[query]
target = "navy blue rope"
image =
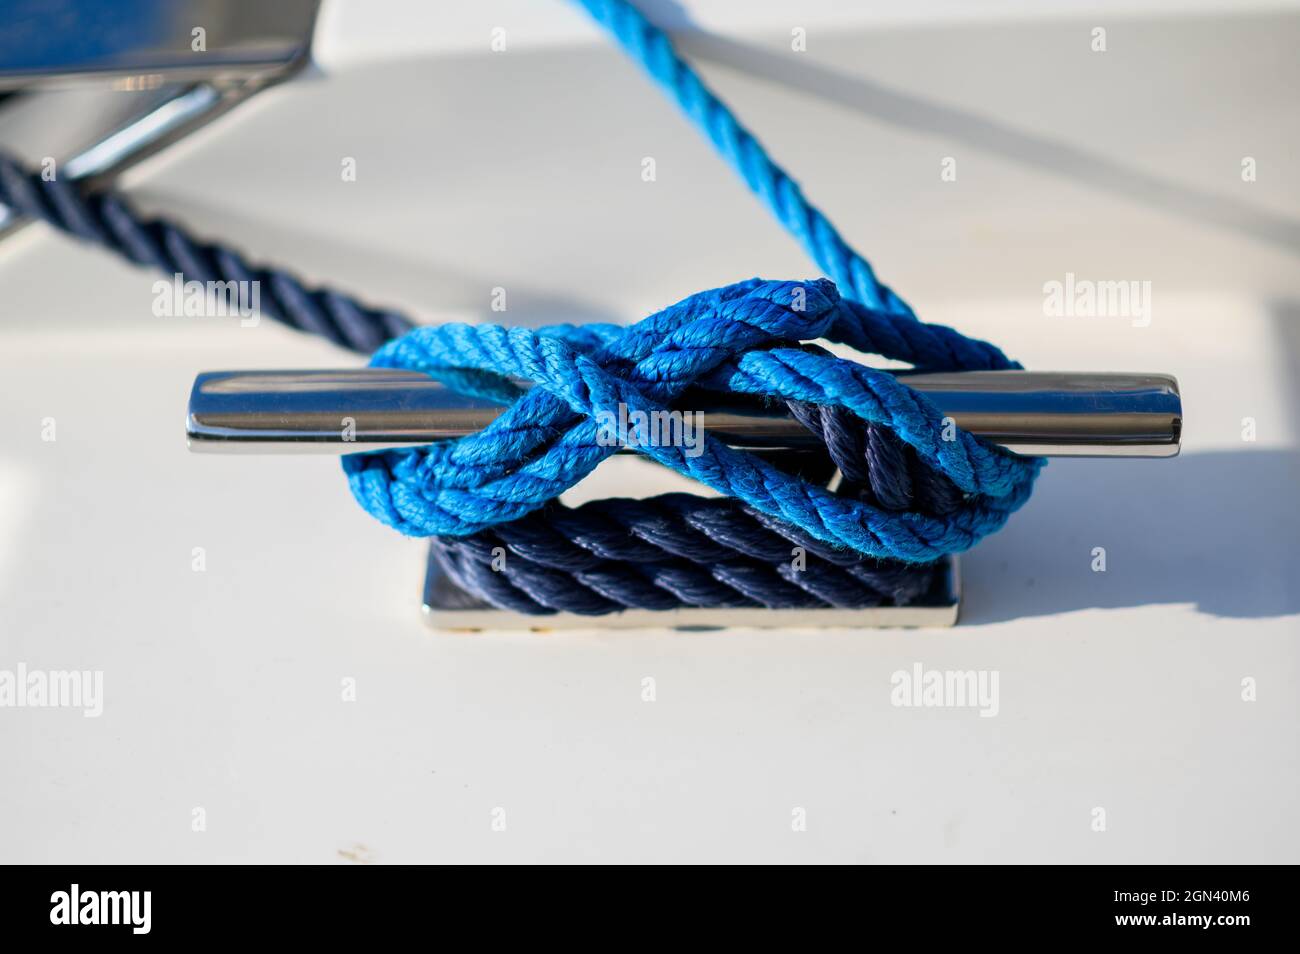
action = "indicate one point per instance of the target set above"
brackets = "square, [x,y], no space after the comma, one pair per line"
[105,219]
[666,552]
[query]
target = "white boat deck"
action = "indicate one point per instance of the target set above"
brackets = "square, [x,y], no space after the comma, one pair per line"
[1122,690]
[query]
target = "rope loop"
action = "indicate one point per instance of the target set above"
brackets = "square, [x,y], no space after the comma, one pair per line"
[592,395]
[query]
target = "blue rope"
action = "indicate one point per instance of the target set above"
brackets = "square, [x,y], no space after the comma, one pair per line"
[734,340]
[898,334]
[908,495]
[729,340]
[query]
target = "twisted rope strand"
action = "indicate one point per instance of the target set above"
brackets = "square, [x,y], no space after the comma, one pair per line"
[104,219]
[898,333]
